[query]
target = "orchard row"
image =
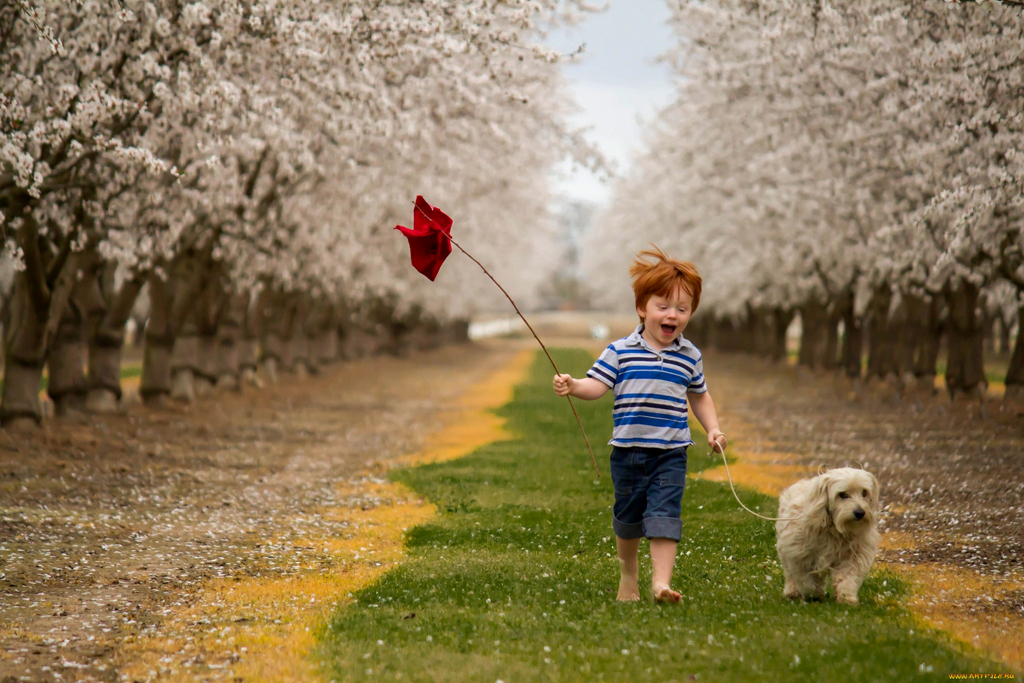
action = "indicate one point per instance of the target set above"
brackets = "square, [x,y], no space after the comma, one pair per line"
[860,165]
[240,164]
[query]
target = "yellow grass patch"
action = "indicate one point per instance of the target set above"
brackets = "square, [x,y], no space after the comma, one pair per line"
[766,472]
[263,628]
[758,465]
[973,608]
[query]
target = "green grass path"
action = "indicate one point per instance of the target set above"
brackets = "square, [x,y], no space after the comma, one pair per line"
[516,578]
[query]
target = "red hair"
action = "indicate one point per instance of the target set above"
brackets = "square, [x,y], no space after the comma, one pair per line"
[662,277]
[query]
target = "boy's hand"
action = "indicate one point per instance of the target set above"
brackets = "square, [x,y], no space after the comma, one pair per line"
[717,441]
[563,384]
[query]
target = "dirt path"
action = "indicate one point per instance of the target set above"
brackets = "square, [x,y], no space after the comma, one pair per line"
[952,484]
[113,528]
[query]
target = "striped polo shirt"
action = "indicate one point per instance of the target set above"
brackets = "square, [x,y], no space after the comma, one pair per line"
[650,390]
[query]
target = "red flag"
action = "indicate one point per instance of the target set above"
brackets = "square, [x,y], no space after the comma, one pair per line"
[429,239]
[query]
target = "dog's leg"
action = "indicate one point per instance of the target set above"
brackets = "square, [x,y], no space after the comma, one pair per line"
[802,582]
[812,586]
[847,584]
[790,590]
[849,575]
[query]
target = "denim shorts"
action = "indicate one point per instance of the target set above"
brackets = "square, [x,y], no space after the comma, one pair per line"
[649,485]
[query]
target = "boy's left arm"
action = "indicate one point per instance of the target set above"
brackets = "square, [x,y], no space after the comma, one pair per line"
[703,409]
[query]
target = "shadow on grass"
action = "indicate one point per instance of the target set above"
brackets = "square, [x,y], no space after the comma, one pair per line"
[516,581]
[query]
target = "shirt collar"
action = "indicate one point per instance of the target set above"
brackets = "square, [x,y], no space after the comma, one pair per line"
[637,339]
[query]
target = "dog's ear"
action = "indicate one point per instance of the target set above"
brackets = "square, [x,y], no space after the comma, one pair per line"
[874,492]
[817,513]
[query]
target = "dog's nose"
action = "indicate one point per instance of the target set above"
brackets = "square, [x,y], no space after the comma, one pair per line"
[858,513]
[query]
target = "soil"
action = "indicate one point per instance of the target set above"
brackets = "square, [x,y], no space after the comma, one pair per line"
[110,523]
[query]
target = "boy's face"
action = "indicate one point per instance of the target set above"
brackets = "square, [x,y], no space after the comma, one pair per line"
[665,318]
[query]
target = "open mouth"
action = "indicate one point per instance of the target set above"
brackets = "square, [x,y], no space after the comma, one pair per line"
[668,330]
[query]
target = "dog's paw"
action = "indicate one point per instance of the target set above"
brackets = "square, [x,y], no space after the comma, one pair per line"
[791,592]
[847,599]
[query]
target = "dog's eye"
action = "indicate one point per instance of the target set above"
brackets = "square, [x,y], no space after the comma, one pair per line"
[844,495]
[865,494]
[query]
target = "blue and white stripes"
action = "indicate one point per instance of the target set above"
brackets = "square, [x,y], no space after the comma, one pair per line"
[650,390]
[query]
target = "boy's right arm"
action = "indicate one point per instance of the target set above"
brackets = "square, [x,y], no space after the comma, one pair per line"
[588,388]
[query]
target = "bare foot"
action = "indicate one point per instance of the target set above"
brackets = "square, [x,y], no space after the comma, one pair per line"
[666,594]
[629,589]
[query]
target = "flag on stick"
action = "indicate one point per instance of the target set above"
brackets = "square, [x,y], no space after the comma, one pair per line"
[430,243]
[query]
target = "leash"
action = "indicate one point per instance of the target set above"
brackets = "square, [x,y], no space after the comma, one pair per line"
[721,449]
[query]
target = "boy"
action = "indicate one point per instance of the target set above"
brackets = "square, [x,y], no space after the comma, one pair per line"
[653,372]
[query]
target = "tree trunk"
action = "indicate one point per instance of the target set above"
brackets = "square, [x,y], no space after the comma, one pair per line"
[65,360]
[324,346]
[229,342]
[927,357]
[107,337]
[206,313]
[812,334]
[252,325]
[965,370]
[830,342]
[155,387]
[989,330]
[913,323]
[277,330]
[853,337]
[1015,373]
[881,342]
[37,308]
[184,361]
[1004,335]
[327,343]
[456,331]
[193,323]
[302,336]
[24,354]
[779,325]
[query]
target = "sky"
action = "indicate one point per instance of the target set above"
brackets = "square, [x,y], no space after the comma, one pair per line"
[617,84]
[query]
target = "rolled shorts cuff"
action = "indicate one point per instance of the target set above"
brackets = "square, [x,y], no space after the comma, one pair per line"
[663,527]
[627,530]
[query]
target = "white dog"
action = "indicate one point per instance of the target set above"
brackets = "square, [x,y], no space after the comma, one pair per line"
[830,528]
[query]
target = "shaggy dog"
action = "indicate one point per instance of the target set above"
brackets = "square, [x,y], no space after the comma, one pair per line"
[828,526]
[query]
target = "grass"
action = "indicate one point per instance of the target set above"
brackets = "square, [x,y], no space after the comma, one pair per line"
[516,578]
[127,372]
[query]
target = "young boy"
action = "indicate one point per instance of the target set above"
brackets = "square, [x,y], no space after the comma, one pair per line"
[654,373]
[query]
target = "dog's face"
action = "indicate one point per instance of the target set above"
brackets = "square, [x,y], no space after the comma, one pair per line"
[851,497]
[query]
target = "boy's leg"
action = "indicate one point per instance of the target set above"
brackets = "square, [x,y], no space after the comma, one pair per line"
[629,566]
[661,520]
[627,516]
[663,559]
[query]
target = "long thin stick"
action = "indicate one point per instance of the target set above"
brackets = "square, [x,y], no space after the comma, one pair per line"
[550,359]
[534,333]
